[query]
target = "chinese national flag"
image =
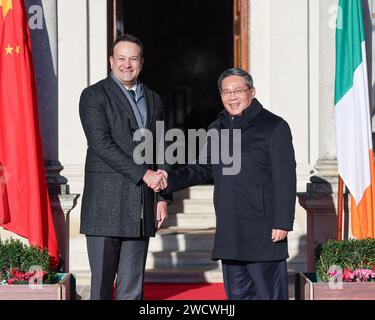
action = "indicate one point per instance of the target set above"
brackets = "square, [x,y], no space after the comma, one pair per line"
[24,201]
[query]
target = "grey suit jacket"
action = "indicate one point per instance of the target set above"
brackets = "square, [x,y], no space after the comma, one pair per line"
[115,198]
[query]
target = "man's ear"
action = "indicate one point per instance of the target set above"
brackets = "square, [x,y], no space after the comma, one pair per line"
[254,92]
[142,62]
[111,61]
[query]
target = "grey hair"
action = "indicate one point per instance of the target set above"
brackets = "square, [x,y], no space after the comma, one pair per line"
[236,72]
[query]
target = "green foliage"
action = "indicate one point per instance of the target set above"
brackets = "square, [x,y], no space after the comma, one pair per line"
[16,255]
[348,254]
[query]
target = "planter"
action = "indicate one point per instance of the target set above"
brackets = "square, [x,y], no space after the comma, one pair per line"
[308,288]
[64,289]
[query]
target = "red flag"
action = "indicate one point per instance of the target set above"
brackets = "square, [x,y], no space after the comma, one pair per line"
[24,202]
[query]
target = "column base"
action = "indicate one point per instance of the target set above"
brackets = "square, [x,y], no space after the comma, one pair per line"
[62,203]
[320,202]
[325,180]
[321,212]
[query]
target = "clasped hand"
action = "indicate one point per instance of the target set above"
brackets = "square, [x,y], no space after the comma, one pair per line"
[156,180]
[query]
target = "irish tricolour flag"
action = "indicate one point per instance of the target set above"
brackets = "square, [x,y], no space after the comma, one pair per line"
[352,110]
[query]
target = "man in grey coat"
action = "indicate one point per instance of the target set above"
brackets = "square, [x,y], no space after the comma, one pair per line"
[118,215]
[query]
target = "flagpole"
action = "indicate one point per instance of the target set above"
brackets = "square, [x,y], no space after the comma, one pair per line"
[340,197]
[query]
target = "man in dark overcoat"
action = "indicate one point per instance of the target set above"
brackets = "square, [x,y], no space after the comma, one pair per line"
[255,206]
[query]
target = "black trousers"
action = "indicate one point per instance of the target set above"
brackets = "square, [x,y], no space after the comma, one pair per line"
[120,258]
[255,280]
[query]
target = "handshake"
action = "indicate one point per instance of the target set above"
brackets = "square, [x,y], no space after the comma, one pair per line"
[156,180]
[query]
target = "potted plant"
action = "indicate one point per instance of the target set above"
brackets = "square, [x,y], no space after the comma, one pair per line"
[26,274]
[345,270]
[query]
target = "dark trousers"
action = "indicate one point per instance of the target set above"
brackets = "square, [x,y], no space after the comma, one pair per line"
[124,257]
[255,280]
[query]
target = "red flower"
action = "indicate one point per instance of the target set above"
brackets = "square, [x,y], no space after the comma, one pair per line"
[17,276]
[348,275]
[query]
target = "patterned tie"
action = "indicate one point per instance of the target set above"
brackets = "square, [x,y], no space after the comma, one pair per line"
[132,93]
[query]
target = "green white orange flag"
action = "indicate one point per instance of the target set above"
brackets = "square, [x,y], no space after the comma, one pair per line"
[352,111]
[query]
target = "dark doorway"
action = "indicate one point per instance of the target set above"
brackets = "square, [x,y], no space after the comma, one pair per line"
[188,44]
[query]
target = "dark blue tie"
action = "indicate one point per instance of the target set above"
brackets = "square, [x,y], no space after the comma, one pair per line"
[132,93]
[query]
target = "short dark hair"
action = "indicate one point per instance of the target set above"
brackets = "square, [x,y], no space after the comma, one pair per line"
[236,72]
[127,38]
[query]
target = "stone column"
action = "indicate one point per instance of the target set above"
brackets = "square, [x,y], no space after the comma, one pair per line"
[326,166]
[320,200]
[43,28]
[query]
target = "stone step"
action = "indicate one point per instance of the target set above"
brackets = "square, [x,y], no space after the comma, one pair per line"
[180,259]
[168,249]
[178,239]
[83,276]
[162,268]
[197,192]
[191,275]
[205,220]
[171,276]
[196,206]
[79,261]
[78,254]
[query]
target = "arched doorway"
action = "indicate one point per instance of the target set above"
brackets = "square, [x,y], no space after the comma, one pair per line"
[188,44]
